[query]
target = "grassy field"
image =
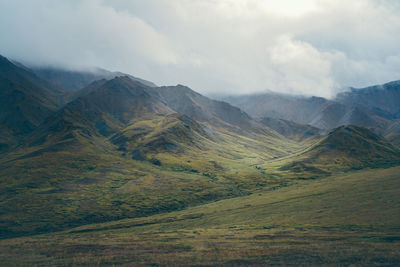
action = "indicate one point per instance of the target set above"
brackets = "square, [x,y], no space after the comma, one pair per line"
[340,220]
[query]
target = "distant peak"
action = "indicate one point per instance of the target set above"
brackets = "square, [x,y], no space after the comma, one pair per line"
[348,128]
[123,80]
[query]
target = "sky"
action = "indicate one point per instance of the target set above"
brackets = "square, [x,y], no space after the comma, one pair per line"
[310,47]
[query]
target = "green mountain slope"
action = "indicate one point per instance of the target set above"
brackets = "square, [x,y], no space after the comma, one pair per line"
[345,148]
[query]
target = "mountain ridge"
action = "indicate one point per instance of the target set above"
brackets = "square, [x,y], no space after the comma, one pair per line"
[72,80]
[374,107]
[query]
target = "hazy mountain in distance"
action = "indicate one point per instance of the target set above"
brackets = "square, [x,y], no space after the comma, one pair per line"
[375,107]
[298,109]
[385,98]
[74,80]
[292,130]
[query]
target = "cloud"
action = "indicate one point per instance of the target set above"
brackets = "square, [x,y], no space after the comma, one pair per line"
[312,47]
[80,33]
[300,68]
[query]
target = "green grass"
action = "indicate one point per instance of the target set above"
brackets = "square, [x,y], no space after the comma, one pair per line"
[340,220]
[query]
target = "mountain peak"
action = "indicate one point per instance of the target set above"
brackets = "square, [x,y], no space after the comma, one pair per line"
[345,148]
[358,144]
[123,82]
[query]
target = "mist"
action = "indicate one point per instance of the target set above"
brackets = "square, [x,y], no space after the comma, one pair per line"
[215,47]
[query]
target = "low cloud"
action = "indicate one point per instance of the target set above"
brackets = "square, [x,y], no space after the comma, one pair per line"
[216,47]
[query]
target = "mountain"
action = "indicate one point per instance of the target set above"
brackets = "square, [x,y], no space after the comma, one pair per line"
[384,98]
[73,80]
[118,105]
[182,169]
[218,113]
[119,149]
[333,114]
[374,107]
[346,147]
[292,130]
[316,111]
[103,110]
[280,106]
[25,101]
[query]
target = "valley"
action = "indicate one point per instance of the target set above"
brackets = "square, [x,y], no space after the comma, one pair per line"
[103,168]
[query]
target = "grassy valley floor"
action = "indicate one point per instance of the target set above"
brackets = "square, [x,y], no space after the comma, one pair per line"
[345,219]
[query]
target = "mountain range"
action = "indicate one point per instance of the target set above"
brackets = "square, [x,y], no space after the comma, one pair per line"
[83,147]
[376,108]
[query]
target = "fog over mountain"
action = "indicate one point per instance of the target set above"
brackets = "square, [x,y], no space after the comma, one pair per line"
[312,47]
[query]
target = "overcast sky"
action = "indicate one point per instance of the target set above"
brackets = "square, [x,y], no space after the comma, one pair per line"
[312,47]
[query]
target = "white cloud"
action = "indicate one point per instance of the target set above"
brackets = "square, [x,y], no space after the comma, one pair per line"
[300,68]
[215,46]
[81,33]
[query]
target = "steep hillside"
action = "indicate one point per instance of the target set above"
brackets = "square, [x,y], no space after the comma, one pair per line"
[292,130]
[25,101]
[392,132]
[384,98]
[345,148]
[333,114]
[89,120]
[166,133]
[186,101]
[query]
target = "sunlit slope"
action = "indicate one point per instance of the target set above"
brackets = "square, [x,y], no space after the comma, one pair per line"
[346,219]
[345,148]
